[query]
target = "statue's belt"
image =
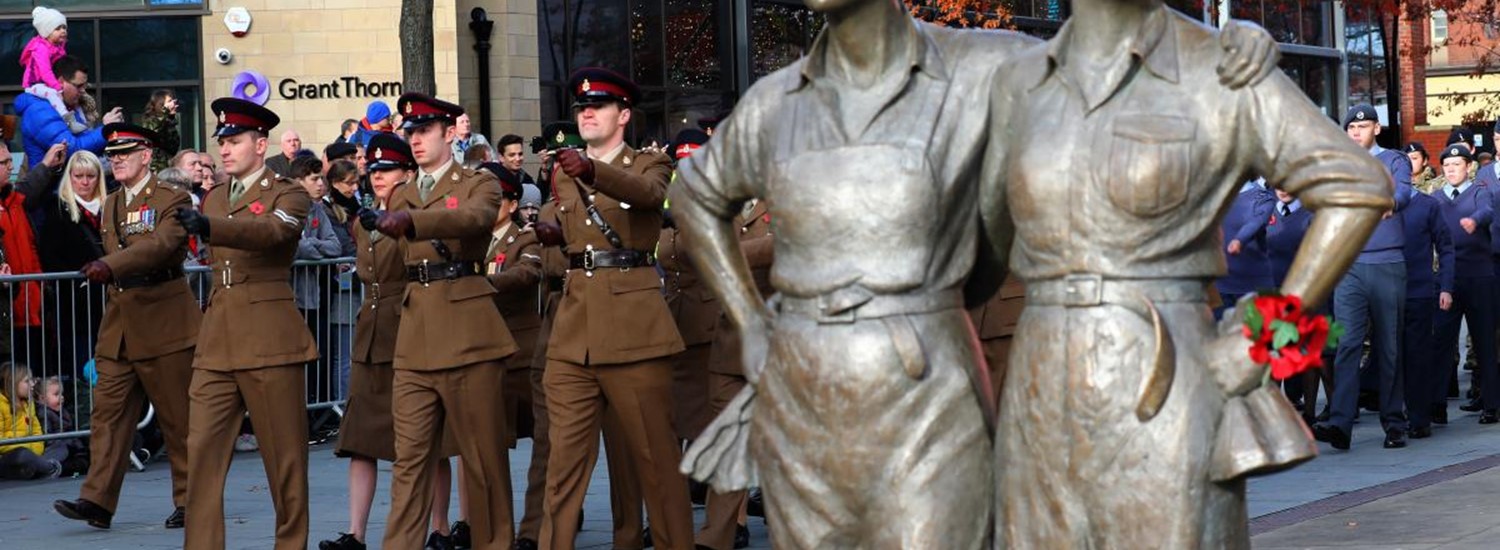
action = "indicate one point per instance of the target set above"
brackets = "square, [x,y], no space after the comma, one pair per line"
[855,302]
[1138,296]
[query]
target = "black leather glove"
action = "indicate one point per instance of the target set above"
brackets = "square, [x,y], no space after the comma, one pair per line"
[576,165]
[194,222]
[97,271]
[368,219]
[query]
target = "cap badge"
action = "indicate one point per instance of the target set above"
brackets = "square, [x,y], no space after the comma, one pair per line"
[560,137]
[114,136]
[378,153]
[1359,115]
[408,108]
[221,118]
[585,87]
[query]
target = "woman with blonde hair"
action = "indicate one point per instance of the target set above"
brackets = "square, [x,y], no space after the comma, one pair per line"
[68,204]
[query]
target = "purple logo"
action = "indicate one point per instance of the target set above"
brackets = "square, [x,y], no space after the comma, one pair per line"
[251,86]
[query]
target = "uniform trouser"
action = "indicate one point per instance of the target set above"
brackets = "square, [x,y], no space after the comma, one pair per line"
[1368,302]
[1419,365]
[624,486]
[1474,302]
[122,391]
[996,354]
[722,514]
[536,475]
[423,402]
[640,395]
[691,390]
[219,400]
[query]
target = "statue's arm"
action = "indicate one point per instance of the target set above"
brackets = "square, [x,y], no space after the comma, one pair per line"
[997,226]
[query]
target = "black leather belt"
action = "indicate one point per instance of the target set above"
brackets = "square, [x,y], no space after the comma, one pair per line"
[594,259]
[425,272]
[149,279]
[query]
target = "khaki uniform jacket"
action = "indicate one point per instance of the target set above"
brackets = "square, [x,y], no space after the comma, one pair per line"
[517,281]
[693,305]
[757,244]
[160,319]
[614,315]
[251,320]
[997,318]
[380,263]
[450,323]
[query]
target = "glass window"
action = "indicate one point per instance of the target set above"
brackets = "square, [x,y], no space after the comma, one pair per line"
[1314,75]
[779,34]
[139,52]
[15,34]
[600,35]
[646,43]
[551,32]
[648,120]
[134,100]
[1439,27]
[692,32]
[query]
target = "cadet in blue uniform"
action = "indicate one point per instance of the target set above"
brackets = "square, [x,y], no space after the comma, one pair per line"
[1427,293]
[1368,302]
[1284,232]
[1490,175]
[1467,209]
[1245,230]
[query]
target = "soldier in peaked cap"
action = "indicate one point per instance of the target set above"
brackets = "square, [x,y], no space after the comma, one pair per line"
[452,342]
[253,342]
[145,346]
[614,336]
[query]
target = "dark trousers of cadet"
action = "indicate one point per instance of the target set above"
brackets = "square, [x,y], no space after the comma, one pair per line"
[119,397]
[721,516]
[1419,365]
[424,403]
[640,394]
[219,400]
[1368,302]
[1473,301]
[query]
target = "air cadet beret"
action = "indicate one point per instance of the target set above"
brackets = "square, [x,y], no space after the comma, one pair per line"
[510,182]
[1454,150]
[237,116]
[562,134]
[1361,112]
[419,109]
[1461,134]
[531,196]
[687,141]
[595,85]
[388,152]
[1415,147]
[121,137]
[335,151]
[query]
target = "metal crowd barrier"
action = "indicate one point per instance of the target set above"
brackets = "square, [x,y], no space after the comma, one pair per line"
[53,321]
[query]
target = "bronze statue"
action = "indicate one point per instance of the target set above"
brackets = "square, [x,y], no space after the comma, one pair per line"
[1127,419]
[866,422]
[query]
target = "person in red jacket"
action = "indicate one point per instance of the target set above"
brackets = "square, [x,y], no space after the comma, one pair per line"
[18,257]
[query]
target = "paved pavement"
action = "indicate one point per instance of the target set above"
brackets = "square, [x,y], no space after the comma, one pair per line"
[1437,493]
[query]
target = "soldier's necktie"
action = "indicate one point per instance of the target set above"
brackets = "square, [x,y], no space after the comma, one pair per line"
[425,186]
[1281,210]
[1453,194]
[236,188]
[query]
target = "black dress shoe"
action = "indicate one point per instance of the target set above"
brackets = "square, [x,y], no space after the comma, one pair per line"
[741,537]
[525,544]
[84,510]
[698,492]
[1332,435]
[646,541]
[1395,439]
[1489,417]
[346,541]
[755,504]
[437,541]
[459,533]
[1472,406]
[1420,433]
[1325,415]
[177,519]
[1440,414]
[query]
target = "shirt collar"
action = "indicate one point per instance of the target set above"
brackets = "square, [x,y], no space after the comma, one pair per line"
[921,54]
[251,178]
[1293,206]
[440,171]
[133,190]
[1257,183]
[609,156]
[1376,150]
[1155,45]
[1448,187]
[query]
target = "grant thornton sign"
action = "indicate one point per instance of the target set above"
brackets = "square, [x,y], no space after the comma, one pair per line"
[344,87]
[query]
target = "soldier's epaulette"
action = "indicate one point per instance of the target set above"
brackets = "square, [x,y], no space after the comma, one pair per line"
[653,153]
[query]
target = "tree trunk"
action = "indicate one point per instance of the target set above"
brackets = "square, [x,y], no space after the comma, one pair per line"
[417,73]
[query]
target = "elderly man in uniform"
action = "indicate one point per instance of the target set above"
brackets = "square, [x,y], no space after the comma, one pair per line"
[452,342]
[613,337]
[253,342]
[145,348]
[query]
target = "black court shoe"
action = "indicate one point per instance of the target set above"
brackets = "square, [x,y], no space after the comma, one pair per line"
[1332,435]
[1489,417]
[177,519]
[346,541]
[459,534]
[84,510]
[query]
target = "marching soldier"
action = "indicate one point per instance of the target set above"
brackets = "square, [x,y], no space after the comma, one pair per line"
[253,342]
[145,348]
[613,336]
[696,311]
[724,520]
[451,342]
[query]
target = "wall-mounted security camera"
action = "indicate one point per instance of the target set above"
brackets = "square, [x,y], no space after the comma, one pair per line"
[223,56]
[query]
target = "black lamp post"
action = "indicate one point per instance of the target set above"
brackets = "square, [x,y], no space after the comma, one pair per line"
[482,28]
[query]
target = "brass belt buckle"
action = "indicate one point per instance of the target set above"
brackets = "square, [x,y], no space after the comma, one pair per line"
[588,260]
[422,274]
[1083,290]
